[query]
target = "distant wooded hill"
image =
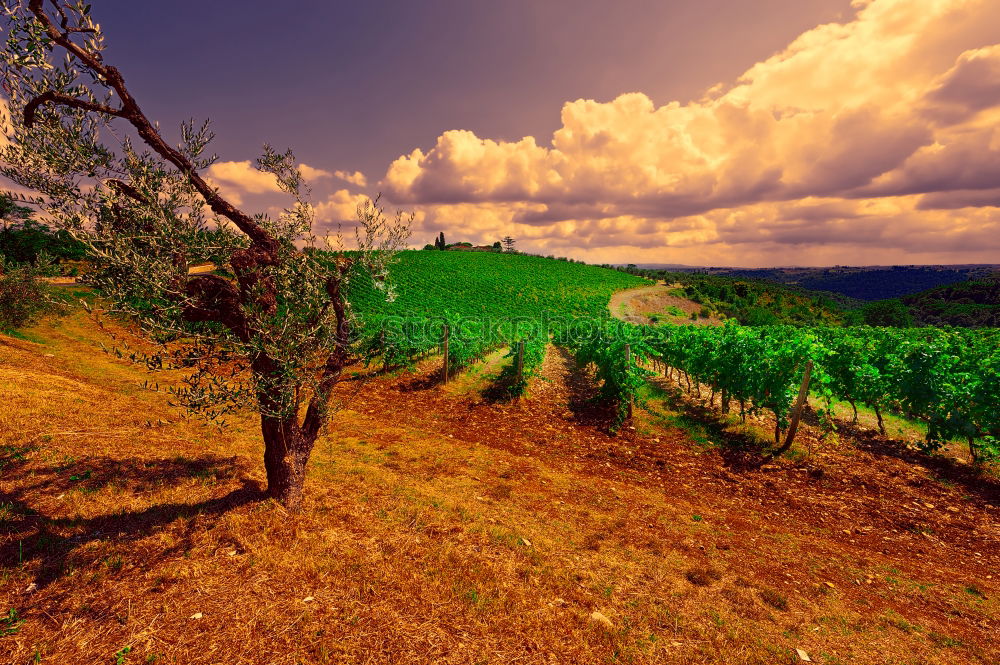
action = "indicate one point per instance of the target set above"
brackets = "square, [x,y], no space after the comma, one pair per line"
[863,283]
[971,304]
[963,296]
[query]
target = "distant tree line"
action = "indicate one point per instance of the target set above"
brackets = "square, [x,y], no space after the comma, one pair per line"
[507,244]
[28,248]
[25,241]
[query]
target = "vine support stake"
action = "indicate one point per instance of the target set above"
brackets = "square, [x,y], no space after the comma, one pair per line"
[444,347]
[800,404]
[628,364]
[520,362]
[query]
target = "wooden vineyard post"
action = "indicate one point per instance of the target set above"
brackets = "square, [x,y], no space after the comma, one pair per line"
[444,346]
[800,404]
[628,363]
[520,362]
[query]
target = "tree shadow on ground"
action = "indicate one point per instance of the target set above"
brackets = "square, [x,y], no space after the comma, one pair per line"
[433,378]
[364,372]
[739,451]
[500,391]
[946,469]
[585,402]
[426,381]
[27,534]
[503,388]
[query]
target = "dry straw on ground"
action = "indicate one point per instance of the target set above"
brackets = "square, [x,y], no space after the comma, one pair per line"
[438,528]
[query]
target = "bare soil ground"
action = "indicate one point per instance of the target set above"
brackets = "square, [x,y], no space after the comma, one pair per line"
[638,305]
[439,527]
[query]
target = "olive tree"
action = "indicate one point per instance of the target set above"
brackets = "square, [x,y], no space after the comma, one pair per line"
[104,171]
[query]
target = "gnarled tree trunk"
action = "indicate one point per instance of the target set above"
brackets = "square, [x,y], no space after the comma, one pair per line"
[286,454]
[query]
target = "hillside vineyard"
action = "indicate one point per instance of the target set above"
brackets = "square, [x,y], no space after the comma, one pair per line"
[946,378]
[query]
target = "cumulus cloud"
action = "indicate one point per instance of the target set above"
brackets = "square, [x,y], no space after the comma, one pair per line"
[828,144]
[339,208]
[312,173]
[244,176]
[234,179]
[967,160]
[767,232]
[357,178]
[972,85]
[961,198]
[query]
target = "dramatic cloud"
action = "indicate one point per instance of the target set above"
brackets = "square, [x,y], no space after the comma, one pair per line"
[961,198]
[972,85]
[826,148]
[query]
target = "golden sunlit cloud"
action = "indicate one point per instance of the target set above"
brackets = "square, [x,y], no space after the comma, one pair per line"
[341,207]
[237,178]
[357,178]
[340,210]
[234,179]
[875,138]
[312,173]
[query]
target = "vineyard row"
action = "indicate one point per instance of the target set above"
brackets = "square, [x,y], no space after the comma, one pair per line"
[947,378]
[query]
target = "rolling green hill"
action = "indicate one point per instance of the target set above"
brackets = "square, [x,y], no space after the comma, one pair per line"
[132,533]
[430,284]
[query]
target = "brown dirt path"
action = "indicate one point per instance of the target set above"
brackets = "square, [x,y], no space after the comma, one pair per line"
[638,305]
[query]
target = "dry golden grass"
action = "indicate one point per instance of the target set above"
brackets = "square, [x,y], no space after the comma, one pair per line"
[456,534]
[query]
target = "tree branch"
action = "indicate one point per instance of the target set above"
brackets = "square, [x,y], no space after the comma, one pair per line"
[128,190]
[64,19]
[58,98]
[131,111]
[213,298]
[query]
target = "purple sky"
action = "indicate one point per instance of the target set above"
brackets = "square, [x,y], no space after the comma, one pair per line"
[353,85]
[712,132]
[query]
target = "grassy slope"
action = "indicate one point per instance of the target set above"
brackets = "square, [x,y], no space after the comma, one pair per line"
[757,302]
[487,283]
[660,304]
[440,530]
[503,285]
